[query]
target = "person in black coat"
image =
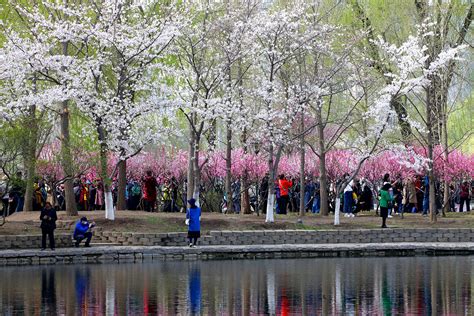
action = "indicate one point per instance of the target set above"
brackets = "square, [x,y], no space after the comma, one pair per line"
[365,201]
[48,219]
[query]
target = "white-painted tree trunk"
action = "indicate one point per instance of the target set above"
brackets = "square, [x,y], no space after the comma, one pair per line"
[109,206]
[270,205]
[337,212]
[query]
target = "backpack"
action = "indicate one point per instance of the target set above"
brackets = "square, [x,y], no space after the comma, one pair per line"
[136,190]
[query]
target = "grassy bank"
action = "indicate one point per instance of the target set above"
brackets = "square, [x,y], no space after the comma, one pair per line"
[132,221]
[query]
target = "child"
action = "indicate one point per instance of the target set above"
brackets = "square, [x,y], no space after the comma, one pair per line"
[193,220]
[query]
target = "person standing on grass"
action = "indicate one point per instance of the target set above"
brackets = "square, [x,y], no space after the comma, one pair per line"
[193,220]
[284,186]
[385,202]
[464,197]
[84,195]
[149,191]
[309,189]
[48,219]
[365,198]
[348,198]
[419,193]
[409,195]
[99,195]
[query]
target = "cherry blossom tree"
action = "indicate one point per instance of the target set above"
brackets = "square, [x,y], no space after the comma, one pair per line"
[46,22]
[318,81]
[234,42]
[419,67]
[33,79]
[277,35]
[412,74]
[200,74]
[122,78]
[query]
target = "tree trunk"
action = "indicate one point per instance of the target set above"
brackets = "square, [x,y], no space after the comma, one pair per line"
[323,185]
[432,193]
[66,161]
[431,178]
[432,42]
[273,161]
[302,170]
[190,173]
[109,203]
[245,196]
[32,124]
[197,171]
[122,185]
[446,205]
[228,166]
[444,95]
[30,166]
[271,187]
[323,193]
[337,210]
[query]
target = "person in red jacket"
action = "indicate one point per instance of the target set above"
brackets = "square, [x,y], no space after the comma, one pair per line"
[149,191]
[464,197]
[284,185]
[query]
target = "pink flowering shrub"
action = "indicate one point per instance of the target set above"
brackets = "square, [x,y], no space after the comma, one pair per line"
[166,163]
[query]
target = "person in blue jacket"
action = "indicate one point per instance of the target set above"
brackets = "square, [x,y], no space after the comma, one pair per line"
[82,231]
[193,220]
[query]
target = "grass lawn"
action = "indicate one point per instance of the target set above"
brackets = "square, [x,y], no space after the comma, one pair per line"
[137,221]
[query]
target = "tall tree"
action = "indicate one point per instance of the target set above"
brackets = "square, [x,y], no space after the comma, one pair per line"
[382,68]
[232,41]
[33,80]
[277,38]
[121,77]
[200,74]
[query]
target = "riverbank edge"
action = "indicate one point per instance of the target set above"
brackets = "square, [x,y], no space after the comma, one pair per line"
[138,254]
[256,237]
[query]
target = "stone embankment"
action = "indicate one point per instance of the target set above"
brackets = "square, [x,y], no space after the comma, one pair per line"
[263,237]
[138,247]
[126,254]
[276,237]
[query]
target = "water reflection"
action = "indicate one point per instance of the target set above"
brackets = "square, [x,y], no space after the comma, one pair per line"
[195,289]
[48,292]
[386,286]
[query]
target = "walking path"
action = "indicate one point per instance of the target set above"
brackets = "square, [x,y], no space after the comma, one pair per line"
[120,254]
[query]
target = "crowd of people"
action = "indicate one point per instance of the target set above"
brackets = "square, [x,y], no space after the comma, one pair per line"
[391,196]
[409,194]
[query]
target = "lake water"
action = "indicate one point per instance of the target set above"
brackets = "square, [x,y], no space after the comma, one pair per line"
[360,286]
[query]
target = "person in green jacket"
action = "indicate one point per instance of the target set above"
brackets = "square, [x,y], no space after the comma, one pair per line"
[386,202]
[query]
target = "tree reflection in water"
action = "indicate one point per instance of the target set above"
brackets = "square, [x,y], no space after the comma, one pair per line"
[376,286]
